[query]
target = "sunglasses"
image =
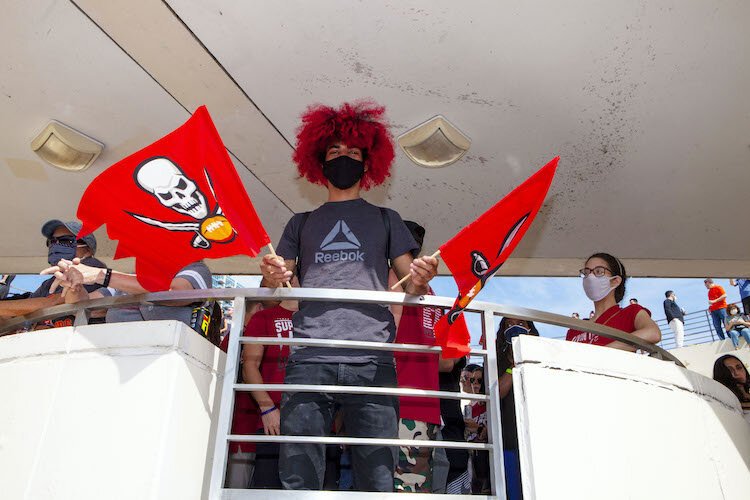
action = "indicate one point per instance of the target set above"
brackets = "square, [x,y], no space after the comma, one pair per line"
[475,380]
[68,241]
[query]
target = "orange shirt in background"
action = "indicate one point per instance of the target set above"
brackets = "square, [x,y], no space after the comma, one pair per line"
[715,292]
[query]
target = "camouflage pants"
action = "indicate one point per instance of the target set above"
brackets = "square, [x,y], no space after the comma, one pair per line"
[414,469]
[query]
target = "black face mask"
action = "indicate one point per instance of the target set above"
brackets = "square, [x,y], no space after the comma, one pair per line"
[57,252]
[343,172]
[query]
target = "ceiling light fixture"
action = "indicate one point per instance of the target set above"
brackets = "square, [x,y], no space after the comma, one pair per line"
[66,148]
[434,143]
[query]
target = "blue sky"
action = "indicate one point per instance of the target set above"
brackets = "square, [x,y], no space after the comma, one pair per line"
[556,295]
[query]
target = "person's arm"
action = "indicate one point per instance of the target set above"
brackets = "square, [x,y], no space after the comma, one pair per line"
[719,298]
[73,273]
[445,365]
[505,379]
[505,384]
[728,324]
[421,269]
[252,355]
[645,329]
[20,307]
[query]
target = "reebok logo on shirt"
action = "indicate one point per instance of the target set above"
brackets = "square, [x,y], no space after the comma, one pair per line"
[340,245]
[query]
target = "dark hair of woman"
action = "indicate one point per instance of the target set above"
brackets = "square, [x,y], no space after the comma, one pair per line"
[724,376]
[618,269]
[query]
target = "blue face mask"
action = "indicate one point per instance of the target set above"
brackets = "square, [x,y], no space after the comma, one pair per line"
[57,252]
[514,331]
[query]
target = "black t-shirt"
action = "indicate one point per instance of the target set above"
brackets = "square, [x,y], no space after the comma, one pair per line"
[343,245]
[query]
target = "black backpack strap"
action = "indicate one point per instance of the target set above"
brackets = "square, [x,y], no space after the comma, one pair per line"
[387,224]
[303,220]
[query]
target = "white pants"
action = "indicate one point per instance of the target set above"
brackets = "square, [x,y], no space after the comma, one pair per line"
[679,331]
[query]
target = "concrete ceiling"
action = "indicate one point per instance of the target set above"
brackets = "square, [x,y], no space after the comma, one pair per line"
[646,103]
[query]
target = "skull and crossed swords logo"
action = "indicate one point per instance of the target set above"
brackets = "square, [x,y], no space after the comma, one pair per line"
[163,179]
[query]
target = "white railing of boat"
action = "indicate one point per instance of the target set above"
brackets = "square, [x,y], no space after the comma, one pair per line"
[240,296]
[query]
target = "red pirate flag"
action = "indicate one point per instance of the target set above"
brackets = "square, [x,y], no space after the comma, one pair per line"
[174,202]
[476,253]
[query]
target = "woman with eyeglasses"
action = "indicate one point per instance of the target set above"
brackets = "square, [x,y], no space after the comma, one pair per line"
[604,280]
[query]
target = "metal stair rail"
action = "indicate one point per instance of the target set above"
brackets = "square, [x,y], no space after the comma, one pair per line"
[228,387]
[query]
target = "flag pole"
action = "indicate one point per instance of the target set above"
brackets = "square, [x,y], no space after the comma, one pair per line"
[406,278]
[273,252]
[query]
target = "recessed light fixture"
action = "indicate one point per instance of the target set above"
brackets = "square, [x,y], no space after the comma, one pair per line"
[434,143]
[66,148]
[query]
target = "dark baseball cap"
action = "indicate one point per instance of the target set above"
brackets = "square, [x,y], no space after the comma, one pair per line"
[73,226]
[417,232]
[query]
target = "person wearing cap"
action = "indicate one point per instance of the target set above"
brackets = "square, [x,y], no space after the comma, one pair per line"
[61,244]
[345,243]
[196,276]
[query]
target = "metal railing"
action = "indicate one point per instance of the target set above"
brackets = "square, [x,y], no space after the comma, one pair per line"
[488,311]
[699,329]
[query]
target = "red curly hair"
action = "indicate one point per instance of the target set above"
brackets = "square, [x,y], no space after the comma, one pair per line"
[355,124]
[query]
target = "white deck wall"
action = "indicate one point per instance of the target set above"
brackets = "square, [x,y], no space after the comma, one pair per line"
[597,423]
[125,411]
[120,411]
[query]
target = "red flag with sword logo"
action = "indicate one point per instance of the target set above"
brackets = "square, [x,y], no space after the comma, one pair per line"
[478,251]
[174,202]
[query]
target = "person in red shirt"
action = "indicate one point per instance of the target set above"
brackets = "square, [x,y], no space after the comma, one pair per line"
[267,365]
[244,421]
[717,305]
[419,418]
[604,280]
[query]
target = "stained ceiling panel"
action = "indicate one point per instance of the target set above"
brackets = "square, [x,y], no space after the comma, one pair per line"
[58,64]
[645,102]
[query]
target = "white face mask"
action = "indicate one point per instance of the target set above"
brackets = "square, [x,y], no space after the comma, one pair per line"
[596,288]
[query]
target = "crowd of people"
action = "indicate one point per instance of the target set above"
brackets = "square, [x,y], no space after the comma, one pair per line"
[348,243]
[726,319]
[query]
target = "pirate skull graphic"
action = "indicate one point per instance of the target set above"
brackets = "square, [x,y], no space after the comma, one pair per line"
[165,180]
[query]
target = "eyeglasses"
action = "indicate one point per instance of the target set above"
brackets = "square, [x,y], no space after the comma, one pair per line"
[598,271]
[67,241]
[475,380]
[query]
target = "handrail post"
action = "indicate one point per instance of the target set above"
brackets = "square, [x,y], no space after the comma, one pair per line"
[81,318]
[710,322]
[226,404]
[494,424]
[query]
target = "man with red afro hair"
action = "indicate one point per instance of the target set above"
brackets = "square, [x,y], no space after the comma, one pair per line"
[345,243]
